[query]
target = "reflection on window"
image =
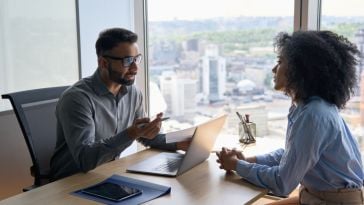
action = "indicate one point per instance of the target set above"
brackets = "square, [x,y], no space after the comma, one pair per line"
[205,63]
[38,45]
[349,21]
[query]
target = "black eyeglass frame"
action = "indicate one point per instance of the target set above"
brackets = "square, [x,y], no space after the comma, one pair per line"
[128,60]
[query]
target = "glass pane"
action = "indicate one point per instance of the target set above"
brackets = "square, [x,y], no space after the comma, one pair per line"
[115,13]
[38,45]
[349,21]
[208,57]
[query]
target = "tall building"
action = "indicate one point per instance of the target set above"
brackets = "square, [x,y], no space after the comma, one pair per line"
[213,74]
[359,36]
[165,52]
[362,100]
[179,94]
[193,45]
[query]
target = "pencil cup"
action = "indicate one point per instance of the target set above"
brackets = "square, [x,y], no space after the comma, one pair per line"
[247,132]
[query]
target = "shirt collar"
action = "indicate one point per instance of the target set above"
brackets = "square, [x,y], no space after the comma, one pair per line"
[101,89]
[295,107]
[99,86]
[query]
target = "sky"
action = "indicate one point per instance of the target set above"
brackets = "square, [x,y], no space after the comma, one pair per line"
[162,10]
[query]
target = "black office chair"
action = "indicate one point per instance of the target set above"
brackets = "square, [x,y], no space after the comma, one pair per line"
[35,111]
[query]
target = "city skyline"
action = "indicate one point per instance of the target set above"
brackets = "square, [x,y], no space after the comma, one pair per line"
[247,81]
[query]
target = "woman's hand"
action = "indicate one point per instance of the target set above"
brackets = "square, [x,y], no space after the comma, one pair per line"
[228,159]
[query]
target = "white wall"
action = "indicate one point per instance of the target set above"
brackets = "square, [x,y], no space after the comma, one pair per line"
[14,157]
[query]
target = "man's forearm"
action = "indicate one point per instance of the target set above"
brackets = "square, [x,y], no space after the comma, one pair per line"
[158,142]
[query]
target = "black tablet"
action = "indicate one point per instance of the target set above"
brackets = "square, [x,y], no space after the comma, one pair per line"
[112,191]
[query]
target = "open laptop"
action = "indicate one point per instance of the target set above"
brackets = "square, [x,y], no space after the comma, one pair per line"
[174,164]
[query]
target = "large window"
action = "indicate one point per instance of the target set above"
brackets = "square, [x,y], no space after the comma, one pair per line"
[208,57]
[95,16]
[38,45]
[349,21]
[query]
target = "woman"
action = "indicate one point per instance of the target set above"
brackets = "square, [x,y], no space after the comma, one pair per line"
[317,70]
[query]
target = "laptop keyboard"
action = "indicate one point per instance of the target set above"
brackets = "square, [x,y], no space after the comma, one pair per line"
[171,164]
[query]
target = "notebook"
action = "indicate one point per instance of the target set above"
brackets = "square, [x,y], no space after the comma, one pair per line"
[174,164]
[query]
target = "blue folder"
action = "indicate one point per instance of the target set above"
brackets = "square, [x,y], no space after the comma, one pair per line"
[149,191]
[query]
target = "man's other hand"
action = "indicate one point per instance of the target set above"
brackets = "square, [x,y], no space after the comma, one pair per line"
[183,145]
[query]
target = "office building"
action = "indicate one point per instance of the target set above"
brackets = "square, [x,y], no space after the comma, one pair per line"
[179,94]
[213,75]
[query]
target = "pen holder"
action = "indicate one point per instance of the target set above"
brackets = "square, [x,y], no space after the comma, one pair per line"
[247,132]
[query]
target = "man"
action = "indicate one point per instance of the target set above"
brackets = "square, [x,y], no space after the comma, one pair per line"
[101,115]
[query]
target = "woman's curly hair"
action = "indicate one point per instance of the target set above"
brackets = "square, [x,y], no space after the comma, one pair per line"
[320,63]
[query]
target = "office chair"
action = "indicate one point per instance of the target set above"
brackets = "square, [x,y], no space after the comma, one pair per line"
[35,112]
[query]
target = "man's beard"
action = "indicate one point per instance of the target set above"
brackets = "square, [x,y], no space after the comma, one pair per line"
[114,76]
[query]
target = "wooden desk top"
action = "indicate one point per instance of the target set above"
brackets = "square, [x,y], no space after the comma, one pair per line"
[203,184]
[263,145]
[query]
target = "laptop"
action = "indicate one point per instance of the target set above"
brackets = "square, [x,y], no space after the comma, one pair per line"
[175,164]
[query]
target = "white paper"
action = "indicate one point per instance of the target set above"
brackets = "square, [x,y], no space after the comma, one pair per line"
[180,135]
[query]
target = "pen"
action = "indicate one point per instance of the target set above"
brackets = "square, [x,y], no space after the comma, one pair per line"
[164,118]
[240,117]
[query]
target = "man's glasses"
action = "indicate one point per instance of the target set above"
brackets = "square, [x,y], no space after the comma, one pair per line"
[127,61]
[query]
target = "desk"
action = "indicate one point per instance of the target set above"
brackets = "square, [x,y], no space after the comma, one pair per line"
[203,184]
[263,145]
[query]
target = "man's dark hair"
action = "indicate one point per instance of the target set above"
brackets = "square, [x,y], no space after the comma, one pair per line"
[110,38]
[320,63]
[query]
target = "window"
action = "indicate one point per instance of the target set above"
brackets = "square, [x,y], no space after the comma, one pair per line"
[349,22]
[95,16]
[215,57]
[38,45]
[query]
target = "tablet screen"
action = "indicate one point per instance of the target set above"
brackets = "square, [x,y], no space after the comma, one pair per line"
[111,191]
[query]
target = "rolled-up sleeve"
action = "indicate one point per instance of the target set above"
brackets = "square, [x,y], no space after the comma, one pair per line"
[302,152]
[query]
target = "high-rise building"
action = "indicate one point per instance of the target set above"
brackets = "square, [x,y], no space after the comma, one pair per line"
[165,52]
[193,45]
[359,38]
[179,94]
[213,74]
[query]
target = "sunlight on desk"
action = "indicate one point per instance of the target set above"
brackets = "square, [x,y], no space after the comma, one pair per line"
[261,146]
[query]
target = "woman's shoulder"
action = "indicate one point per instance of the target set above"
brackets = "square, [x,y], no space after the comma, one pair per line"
[320,110]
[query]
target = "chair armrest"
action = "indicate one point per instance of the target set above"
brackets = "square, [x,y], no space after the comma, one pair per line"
[30,188]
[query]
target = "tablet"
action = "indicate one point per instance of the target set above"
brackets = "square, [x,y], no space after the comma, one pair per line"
[111,191]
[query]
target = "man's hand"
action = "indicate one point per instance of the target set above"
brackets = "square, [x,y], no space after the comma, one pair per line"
[145,128]
[183,145]
[229,158]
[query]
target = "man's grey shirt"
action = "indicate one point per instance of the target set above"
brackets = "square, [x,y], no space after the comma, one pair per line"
[91,126]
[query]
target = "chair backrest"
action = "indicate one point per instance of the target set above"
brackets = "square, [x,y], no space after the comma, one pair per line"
[35,112]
